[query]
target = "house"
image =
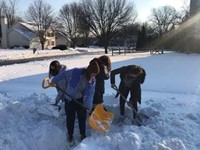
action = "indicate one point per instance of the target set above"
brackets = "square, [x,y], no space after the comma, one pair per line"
[23,34]
[61,40]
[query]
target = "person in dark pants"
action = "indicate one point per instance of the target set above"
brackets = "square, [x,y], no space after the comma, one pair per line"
[131,77]
[104,74]
[71,109]
[79,92]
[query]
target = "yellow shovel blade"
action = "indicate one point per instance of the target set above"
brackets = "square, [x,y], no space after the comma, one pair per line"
[98,125]
[102,114]
[100,119]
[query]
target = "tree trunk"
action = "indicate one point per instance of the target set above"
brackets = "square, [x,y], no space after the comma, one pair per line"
[106,49]
[42,44]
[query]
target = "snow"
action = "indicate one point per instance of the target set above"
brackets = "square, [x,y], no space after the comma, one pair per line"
[170,97]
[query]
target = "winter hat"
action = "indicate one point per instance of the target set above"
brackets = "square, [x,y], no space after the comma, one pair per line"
[93,67]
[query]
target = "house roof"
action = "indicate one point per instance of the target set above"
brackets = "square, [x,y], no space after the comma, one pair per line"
[27,31]
[30,26]
[27,34]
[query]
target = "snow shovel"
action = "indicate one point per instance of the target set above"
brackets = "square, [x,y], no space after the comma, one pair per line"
[139,117]
[99,119]
[45,83]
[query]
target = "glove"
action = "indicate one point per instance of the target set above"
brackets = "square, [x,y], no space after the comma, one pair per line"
[113,86]
[54,104]
[52,84]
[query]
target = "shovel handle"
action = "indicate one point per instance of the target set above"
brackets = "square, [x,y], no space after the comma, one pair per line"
[138,118]
[114,87]
[46,84]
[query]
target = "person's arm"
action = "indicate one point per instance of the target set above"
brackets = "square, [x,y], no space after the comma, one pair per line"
[60,95]
[115,72]
[142,76]
[64,75]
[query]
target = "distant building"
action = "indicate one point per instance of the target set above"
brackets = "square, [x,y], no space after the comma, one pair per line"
[23,35]
[61,40]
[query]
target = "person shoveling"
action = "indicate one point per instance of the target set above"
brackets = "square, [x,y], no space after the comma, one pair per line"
[131,77]
[78,91]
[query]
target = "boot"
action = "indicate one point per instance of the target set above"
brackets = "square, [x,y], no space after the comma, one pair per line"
[70,138]
[83,136]
[121,118]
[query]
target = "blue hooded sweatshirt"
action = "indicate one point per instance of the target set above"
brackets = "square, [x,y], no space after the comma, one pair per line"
[77,86]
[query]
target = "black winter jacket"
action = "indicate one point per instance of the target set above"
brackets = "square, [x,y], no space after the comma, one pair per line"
[124,71]
[103,75]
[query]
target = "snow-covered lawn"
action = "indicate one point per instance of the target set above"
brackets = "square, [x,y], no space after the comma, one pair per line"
[170,97]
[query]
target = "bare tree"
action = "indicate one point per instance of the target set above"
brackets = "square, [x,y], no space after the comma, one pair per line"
[185,11]
[41,14]
[83,27]
[8,9]
[164,18]
[2,5]
[68,19]
[105,17]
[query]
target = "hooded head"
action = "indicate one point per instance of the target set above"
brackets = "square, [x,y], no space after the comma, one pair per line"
[92,70]
[54,68]
[134,71]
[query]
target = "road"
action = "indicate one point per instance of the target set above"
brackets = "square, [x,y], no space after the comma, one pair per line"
[25,60]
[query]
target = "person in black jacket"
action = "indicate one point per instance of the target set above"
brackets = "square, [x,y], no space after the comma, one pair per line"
[104,74]
[131,77]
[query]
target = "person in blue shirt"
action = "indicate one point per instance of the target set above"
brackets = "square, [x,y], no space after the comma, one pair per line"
[80,87]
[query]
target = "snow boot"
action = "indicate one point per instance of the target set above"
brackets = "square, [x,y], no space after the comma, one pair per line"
[70,140]
[83,136]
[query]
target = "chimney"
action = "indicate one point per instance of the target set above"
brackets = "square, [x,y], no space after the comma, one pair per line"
[4,32]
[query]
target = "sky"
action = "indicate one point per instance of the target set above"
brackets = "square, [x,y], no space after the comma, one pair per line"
[143,6]
[170,97]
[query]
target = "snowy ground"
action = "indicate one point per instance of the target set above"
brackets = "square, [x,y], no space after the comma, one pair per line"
[170,97]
